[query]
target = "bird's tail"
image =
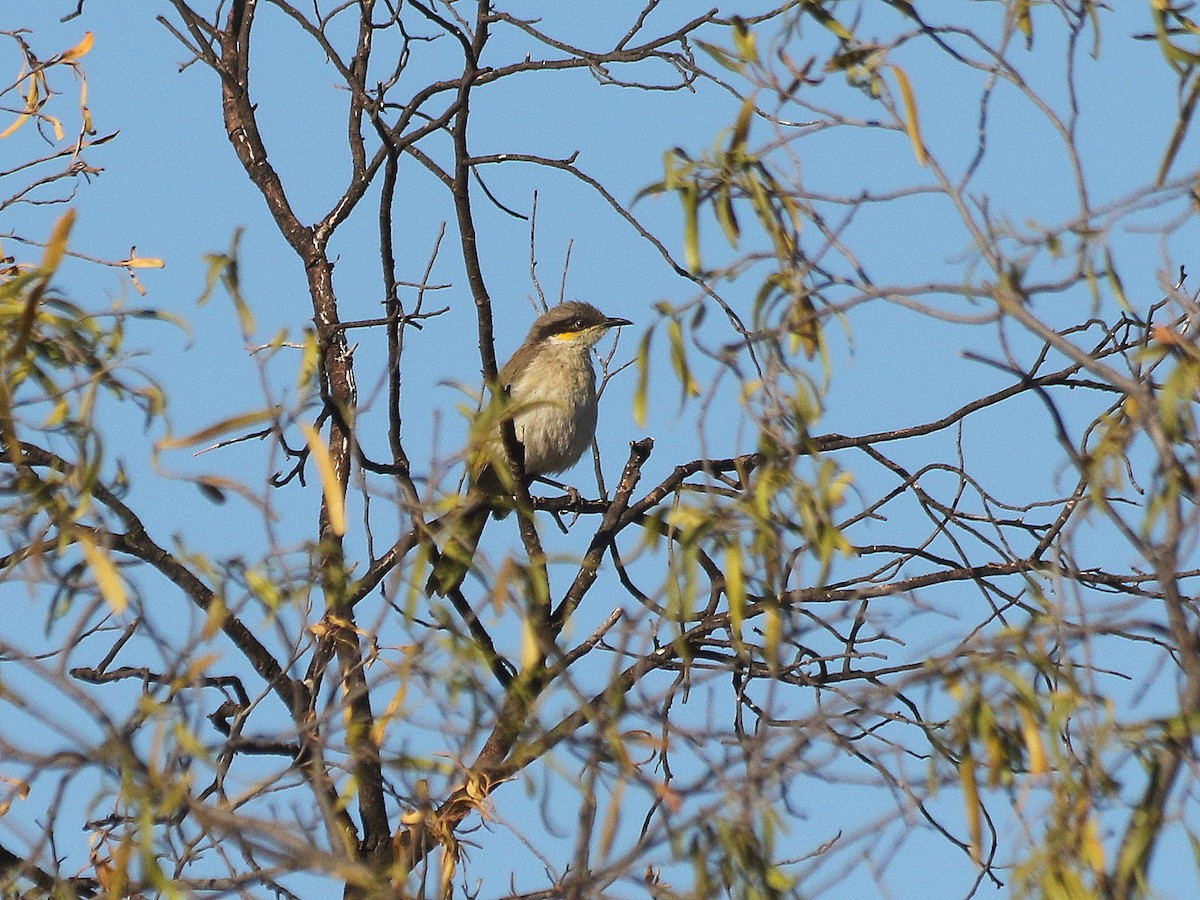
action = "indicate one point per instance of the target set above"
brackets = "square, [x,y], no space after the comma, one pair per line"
[450,567]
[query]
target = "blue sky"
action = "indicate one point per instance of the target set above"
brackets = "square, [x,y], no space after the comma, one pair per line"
[172,186]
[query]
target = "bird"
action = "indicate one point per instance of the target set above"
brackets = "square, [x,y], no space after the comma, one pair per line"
[550,387]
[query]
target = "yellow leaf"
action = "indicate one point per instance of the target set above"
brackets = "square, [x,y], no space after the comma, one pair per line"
[21,119]
[803,324]
[31,103]
[723,207]
[735,585]
[1169,336]
[741,126]
[743,41]
[772,635]
[57,245]
[199,666]
[1025,22]
[1033,743]
[1114,279]
[80,49]
[690,196]
[263,588]
[108,580]
[207,434]
[20,788]
[814,9]
[449,863]
[679,361]
[84,110]
[215,619]
[911,123]
[141,262]
[721,55]
[966,771]
[58,414]
[530,646]
[1093,847]
[335,502]
[309,360]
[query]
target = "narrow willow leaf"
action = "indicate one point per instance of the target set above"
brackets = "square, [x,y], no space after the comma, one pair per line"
[141,262]
[723,57]
[224,268]
[1114,280]
[744,41]
[56,247]
[690,197]
[1094,14]
[650,190]
[1192,840]
[612,820]
[818,12]
[1182,123]
[81,49]
[335,501]
[31,104]
[212,275]
[803,324]
[673,178]
[723,206]
[108,580]
[642,391]
[741,126]
[772,635]
[688,385]
[233,423]
[531,655]
[309,359]
[974,805]
[912,123]
[1093,846]
[1024,22]
[1181,60]
[735,588]
[761,202]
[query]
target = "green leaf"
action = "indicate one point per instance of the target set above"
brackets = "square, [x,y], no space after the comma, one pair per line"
[679,362]
[1114,280]
[741,126]
[1182,123]
[744,41]
[690,197]
[723,207]
[816,9]
[722,56]
[1024,21]
[642,390]
[224,268]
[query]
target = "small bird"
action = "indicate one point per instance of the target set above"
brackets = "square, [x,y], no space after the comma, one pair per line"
[551,389]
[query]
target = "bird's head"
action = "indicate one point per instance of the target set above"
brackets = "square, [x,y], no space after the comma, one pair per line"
[575,323]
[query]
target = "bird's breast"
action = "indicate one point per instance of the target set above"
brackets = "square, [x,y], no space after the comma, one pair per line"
[556,419]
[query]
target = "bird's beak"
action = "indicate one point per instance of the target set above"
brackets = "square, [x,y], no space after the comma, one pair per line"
[613,322]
